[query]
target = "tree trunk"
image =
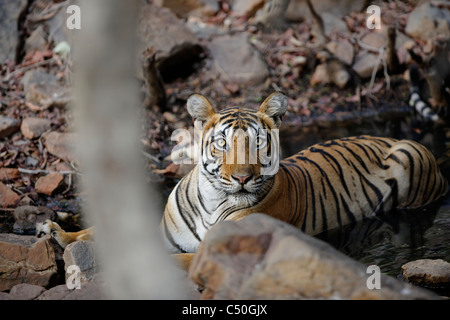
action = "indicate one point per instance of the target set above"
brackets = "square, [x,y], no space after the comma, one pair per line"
[119,203]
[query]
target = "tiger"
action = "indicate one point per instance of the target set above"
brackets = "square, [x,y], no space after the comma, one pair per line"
[327,185]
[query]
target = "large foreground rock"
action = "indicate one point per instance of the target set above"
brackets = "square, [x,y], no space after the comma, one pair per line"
[263,258]
[24,259]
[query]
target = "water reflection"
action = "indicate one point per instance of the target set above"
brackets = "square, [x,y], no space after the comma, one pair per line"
[397,238]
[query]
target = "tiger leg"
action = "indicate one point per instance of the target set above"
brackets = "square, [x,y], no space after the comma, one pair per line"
[62,237]
[414,175]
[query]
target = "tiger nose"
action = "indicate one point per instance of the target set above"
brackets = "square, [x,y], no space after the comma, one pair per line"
[242,179]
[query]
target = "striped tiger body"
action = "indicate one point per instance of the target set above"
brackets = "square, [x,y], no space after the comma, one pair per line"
[325,186]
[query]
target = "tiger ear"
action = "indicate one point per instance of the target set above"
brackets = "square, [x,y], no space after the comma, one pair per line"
[275,106]
[199,107]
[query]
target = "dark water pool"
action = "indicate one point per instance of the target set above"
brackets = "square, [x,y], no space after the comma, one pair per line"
[389,242]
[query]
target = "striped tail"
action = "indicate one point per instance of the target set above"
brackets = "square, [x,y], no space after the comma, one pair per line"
[415,101]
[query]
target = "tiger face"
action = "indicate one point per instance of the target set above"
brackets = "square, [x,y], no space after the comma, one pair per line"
[240,146]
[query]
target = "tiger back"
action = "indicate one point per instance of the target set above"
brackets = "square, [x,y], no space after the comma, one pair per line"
[325,186]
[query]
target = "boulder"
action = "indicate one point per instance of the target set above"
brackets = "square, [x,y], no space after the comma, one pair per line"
[27,216]
[8,126]
[61,144]
[427,272]
[25,259]
[260,257]
[236,61]
[428,21]
[8,198]
[81,254]
[176,48]
[33,127]
[10,13]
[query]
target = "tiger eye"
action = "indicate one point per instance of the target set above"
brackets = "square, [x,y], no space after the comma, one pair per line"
[221,143]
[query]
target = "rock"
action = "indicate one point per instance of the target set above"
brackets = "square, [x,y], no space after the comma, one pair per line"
[8,126]
[333,23]
[343,50]
[49,184]
[37,41]
[429,21]
[82,254]
[44,90]
[57,26]
[48,95]
[177,49]
[7,174]
[91,290]
[10,13]
[365,64]
[27,216]
[61,144]
[25,259]
[260,257]
[25,291]
[33,127]
[186,8]
[298,10]
[331,71]
[378,39]
[37,76]
[247,7]
[235,59]
[8,198]
[427,272]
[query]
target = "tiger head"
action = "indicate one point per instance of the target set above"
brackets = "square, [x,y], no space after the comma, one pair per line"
[240,146]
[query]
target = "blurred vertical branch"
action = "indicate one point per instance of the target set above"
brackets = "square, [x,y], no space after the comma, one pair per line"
[127,236]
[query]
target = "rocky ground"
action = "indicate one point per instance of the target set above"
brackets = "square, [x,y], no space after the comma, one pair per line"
[213,49]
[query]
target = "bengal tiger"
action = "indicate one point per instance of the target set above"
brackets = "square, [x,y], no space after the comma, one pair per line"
[328,185]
